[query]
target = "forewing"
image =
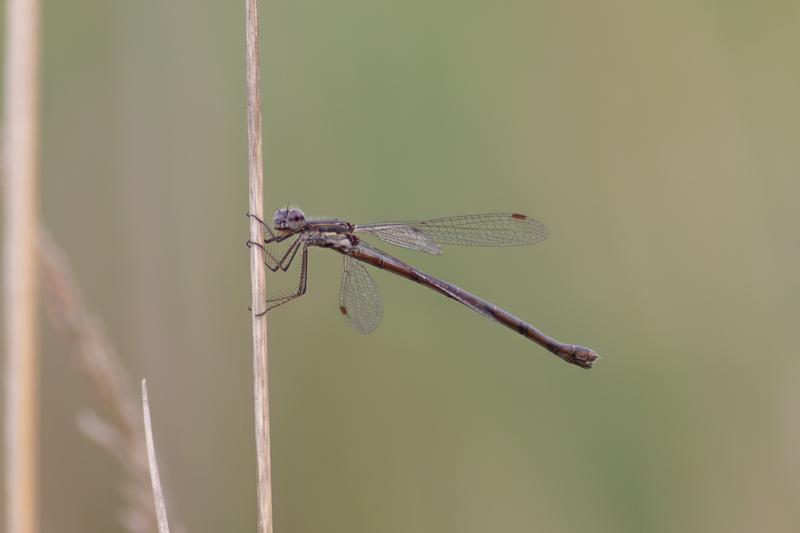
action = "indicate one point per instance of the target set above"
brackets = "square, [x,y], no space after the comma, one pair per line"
[359,299]
[404,237]
[489,229]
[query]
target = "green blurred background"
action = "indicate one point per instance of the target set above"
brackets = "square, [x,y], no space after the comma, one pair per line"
[658,142]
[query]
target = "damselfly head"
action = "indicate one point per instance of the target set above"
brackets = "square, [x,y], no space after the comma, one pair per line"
[289,218]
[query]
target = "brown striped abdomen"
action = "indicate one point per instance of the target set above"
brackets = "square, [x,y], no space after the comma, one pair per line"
[571,353]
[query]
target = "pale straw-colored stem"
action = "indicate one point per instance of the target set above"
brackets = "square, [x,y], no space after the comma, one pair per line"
[155,479]
[257,269]
[21,152]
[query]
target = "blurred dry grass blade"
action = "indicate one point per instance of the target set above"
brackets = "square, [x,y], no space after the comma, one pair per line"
[111,384]
[20,280]
[155,479]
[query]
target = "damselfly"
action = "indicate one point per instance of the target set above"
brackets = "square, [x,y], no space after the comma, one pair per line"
[359,299]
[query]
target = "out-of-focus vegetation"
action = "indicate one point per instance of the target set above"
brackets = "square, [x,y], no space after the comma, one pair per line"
[658,142]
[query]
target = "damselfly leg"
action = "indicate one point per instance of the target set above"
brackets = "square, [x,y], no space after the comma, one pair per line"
[285,298]
[272,236]
[268,246]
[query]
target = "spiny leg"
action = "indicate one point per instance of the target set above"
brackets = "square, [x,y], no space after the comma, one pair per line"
[276,301]
[272,262]
[288,258]
[263,224]
[272,236]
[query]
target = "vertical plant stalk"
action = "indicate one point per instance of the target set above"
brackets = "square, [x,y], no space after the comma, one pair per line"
[257,270]
[21,152]
[155,479]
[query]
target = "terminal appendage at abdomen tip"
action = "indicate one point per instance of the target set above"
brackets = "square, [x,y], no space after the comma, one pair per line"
[577,355]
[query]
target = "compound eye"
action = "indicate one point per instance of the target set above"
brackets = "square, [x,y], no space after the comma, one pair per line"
[295,218]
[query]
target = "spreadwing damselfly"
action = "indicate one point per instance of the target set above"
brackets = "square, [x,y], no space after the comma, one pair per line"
[359,299]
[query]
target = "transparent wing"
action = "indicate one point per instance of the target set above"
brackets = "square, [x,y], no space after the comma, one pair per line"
[490,229]
[359,299]
[405,237]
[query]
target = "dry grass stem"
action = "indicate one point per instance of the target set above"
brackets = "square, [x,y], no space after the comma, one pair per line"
[65,306]
[155,480]
[21,151]
[257,270]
